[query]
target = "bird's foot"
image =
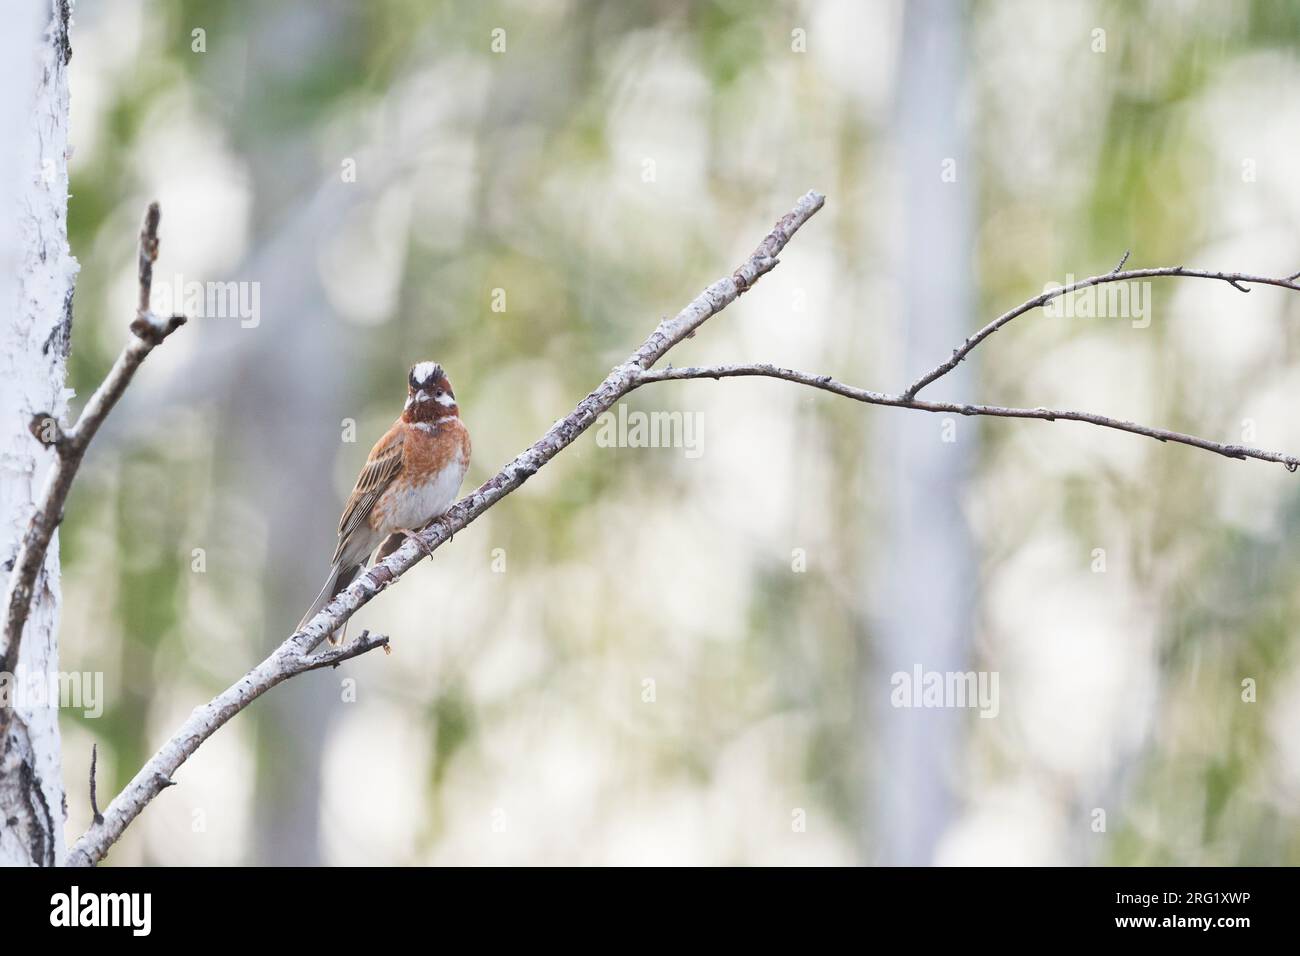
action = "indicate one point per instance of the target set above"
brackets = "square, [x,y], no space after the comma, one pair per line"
[419,542]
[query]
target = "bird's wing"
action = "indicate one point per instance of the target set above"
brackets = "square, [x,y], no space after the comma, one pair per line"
[383,465]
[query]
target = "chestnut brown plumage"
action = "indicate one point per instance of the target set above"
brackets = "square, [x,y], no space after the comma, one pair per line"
[411,476]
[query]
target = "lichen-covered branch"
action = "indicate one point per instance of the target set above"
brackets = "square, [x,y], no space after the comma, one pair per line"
[156,775]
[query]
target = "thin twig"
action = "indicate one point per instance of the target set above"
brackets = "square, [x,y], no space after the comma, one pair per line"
[828,384]
[148,255]
[335,656]
[70,447]
[294,656]
[94,800]
[1234,279]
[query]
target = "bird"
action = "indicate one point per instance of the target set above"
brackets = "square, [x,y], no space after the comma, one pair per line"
[411,477]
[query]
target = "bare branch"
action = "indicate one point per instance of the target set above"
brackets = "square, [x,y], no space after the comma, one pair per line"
[94,797]
[148,255]
[70,447]
[156,775]
[294,656]
[1234,279]
[335,656]
[828,384]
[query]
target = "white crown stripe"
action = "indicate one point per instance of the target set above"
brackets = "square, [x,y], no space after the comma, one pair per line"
[424,372]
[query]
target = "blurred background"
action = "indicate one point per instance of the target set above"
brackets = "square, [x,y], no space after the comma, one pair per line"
[676,655]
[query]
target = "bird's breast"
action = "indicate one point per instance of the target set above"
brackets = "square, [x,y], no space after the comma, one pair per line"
[434,464]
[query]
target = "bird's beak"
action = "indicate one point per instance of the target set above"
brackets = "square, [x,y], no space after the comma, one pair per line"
[421,396]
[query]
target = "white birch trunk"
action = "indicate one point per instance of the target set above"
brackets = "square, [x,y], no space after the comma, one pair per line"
[36,281]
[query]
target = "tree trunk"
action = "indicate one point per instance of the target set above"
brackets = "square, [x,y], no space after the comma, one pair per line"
[36,281]
[924,612]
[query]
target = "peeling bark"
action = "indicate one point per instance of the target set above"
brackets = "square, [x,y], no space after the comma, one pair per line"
[36,284]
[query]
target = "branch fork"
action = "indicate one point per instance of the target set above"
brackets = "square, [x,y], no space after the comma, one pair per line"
[70,446]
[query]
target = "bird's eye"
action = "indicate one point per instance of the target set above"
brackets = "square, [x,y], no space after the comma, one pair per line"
[439,393]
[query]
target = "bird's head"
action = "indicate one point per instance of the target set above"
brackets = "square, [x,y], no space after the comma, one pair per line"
[428,394]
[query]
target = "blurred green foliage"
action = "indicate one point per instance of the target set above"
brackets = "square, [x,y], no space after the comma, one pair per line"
[528,180]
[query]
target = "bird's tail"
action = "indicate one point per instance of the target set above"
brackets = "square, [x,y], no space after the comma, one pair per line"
[340,576]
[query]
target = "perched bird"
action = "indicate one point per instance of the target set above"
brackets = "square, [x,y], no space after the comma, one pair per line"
[411,477]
